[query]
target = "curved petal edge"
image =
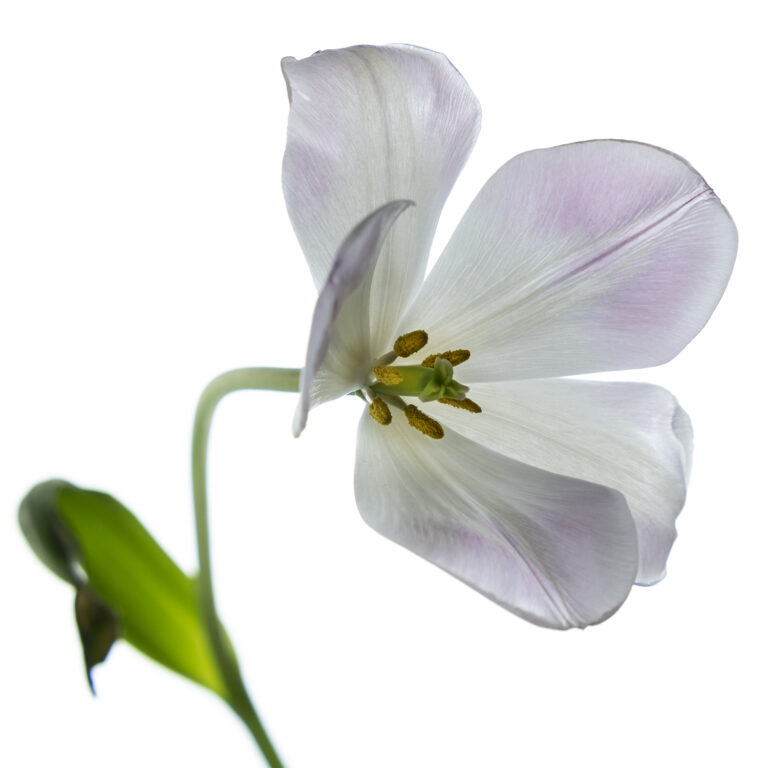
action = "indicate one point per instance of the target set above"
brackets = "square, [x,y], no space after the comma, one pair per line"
[350,274]
[554,550]
[367,125]
[596,256]
[633,437]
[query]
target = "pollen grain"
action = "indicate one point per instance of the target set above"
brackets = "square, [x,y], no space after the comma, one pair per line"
[466,404]
[380,412]
[453,356]
[409,343]
[423,423]
[387,374]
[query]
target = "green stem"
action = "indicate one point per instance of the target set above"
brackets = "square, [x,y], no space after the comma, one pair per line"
[283,380]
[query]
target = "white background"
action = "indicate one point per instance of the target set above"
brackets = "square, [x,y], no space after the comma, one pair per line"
[145,248]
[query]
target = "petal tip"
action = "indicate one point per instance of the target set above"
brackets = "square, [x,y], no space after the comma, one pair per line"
[299,422]
[285,63]
[302,409]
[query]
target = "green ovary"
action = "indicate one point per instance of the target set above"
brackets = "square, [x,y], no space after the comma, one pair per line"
[426,383]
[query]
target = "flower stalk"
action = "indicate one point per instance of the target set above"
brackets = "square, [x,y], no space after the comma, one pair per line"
[282,380]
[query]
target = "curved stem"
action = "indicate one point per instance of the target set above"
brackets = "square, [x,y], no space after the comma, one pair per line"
[281,379]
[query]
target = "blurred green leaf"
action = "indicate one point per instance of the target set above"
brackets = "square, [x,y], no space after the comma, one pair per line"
[126,583]
[47,533]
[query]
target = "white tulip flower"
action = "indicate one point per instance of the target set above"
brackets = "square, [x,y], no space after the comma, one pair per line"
[550,496]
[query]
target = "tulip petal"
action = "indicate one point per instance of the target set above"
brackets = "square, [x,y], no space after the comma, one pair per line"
[557,551]
[629,436]
[338,353]
[596,256]
[368,125]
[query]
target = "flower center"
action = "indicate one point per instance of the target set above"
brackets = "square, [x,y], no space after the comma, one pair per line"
[426,383]
[432,380]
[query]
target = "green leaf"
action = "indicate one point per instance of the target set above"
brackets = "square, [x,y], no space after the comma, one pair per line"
[46,532]
[125,581]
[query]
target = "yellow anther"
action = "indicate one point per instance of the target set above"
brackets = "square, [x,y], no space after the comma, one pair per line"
[453,356]
[386,374]
[466,404]
[423,423]
[380,412]
[409,343]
